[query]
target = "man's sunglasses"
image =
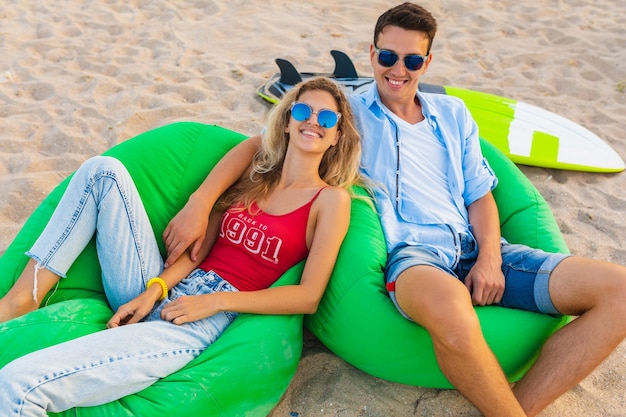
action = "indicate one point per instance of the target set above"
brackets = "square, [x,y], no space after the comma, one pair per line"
[325,117]
[388,58]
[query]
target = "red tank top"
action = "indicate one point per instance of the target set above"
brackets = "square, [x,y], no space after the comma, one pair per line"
[254,249]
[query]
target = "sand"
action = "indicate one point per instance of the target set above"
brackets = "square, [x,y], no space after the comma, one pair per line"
[77,77]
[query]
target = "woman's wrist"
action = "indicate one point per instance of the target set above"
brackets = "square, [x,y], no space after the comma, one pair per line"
[158,287]
[220,301]
[154,293]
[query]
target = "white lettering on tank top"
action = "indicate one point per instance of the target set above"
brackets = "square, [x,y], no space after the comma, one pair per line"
[243,230]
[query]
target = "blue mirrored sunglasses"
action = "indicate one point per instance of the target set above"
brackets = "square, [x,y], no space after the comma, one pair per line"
[325,117]
[388,58]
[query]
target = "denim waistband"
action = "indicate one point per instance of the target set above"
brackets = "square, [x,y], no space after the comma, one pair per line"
[202,282]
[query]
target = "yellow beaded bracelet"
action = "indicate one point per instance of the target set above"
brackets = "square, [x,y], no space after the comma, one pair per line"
[158,280]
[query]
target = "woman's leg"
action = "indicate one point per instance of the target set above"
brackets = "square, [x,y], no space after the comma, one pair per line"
[101,196]
[23,297]
[127,248]
[104,366]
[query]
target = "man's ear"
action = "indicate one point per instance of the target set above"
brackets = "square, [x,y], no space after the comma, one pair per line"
[427,63]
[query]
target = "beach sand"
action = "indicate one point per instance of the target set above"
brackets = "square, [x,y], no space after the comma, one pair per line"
[77,77]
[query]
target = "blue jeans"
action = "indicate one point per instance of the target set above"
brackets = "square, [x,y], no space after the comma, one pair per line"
[526,271]
[99,368]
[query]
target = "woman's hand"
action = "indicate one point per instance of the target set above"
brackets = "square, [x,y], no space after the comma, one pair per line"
[191,308]
[136,309]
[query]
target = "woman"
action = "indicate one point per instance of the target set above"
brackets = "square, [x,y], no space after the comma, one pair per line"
[293,205]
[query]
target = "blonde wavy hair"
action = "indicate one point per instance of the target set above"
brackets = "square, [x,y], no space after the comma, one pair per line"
[339,165]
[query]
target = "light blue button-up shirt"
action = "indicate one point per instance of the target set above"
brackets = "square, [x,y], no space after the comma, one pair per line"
[405,220]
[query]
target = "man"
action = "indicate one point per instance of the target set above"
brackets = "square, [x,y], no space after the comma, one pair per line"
[443,236]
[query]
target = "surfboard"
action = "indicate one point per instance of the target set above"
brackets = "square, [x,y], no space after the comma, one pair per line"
[527,134]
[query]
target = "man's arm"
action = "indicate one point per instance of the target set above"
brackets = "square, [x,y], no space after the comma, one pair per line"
[188,227]
[140,306]
[332,219]
[486,281]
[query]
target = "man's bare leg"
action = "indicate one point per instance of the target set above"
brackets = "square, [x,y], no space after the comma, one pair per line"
[595,291]
[443,306]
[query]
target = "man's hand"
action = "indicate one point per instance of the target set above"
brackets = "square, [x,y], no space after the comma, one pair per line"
[187,228]
[485,282]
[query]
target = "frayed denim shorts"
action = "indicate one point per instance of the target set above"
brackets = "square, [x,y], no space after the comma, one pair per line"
[526,271]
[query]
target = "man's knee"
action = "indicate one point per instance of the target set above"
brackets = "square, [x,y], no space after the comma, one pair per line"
[459,333]
[443,306]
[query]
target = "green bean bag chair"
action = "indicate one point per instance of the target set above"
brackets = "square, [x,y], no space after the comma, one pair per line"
[244,373]
[357,320]
[247,370]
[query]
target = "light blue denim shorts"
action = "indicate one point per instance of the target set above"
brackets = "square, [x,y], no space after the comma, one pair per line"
[526,271]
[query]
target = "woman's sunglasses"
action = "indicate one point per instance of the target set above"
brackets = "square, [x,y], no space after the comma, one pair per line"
[325,117]
[388,58]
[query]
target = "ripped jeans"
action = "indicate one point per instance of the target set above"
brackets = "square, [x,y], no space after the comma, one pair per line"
[107,365]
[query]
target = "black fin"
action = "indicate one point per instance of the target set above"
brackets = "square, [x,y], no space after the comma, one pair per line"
[430,88]
[344,68]
[288,73]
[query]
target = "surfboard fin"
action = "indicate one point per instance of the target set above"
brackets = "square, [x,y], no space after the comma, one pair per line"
[344,68]
[289,75]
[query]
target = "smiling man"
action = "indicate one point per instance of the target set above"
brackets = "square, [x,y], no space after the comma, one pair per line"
[442,230]
[443,235]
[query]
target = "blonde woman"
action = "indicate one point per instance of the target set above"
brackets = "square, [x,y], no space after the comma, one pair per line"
[293,204]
